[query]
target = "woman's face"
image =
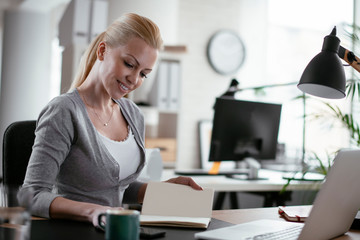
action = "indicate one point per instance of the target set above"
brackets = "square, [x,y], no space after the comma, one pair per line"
[124,68]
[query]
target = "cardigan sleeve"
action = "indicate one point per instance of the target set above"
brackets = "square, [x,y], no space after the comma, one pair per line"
[53,138]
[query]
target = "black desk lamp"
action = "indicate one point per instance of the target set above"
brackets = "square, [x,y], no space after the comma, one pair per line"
[324,76]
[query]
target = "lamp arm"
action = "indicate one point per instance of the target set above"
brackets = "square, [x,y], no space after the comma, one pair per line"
[349,57]
[267,86]
[233,88]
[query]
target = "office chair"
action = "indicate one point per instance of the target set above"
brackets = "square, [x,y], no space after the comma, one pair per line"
[17,147]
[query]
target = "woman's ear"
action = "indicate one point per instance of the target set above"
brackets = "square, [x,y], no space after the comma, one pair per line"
[101,51]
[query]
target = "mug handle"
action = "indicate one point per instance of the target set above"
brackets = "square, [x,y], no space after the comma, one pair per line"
[101,223]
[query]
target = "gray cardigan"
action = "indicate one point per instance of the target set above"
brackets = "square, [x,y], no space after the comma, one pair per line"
[70,160]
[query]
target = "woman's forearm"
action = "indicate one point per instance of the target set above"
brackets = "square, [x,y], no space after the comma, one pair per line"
[68,209]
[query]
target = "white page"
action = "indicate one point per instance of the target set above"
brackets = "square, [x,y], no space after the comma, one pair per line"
[169,199]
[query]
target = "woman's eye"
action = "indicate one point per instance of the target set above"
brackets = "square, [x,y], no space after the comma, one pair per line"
[143,75]
[128,65]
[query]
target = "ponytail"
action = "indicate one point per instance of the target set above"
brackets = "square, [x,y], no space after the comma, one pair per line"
[87,61]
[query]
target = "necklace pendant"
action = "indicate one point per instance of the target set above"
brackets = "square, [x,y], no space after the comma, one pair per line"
[105,124]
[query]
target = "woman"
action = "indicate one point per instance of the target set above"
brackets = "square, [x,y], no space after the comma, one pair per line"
[89,145]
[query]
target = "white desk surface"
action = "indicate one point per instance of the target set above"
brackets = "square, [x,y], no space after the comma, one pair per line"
[274,182]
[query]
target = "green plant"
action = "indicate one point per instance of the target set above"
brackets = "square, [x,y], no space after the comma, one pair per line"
[318,166]
[348,120]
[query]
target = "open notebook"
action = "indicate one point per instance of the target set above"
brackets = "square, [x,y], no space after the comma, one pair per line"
[332,214]
[168,204]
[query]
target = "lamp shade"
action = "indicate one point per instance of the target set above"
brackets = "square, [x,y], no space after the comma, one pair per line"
[324,76]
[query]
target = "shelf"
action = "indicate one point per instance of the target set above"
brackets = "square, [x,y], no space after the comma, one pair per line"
[175,48]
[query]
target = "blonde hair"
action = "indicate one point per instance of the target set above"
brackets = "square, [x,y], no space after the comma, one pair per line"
[119,33]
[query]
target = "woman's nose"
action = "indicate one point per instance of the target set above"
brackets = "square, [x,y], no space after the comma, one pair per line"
[133,78]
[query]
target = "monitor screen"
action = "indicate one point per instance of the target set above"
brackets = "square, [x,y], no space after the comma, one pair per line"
[243,129]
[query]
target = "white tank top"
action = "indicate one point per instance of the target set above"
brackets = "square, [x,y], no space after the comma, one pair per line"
[126,153]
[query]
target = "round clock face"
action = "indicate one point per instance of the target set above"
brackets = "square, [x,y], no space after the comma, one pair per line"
[226,52]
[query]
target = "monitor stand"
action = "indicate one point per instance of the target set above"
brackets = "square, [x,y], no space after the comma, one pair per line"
[254,167]
[252,170]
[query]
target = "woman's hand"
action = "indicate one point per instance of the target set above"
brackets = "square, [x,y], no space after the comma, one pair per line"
[178,180]
[96,212]
[62,208]
[185,181]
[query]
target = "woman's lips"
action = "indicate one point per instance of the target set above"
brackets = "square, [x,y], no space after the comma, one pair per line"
[123,87]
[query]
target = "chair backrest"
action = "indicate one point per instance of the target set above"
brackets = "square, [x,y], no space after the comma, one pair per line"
[17,147]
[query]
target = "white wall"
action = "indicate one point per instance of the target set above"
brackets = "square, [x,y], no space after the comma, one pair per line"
[163,12]
[26,60]
[200,84]
[25,65]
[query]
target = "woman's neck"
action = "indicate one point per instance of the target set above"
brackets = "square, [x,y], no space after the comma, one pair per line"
[95,98]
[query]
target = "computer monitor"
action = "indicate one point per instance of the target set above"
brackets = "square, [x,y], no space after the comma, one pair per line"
[244,129]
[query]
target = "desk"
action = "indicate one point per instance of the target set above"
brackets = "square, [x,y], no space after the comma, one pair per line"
[273,182]
[268,188]
[70,230]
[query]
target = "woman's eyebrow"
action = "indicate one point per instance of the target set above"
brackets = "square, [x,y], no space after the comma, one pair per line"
[137,62]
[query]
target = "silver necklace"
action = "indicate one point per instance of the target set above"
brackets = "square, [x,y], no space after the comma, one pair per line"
[105,124]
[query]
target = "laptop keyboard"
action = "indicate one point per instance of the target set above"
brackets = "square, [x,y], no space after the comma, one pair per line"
[286,234]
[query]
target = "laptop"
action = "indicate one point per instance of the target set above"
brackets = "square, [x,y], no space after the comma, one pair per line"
[332,214]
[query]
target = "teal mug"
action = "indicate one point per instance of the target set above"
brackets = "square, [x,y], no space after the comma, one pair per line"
[120,224]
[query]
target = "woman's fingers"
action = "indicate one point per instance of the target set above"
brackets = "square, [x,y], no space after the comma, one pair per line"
[185,181]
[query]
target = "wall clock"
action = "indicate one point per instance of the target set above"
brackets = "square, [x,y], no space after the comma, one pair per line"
[226,52]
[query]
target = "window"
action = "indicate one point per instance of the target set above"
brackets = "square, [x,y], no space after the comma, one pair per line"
[295,34]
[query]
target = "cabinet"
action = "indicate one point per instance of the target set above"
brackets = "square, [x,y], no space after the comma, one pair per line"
[165,91]
[162,134]
[82,21]
[167,148]
[162,104]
